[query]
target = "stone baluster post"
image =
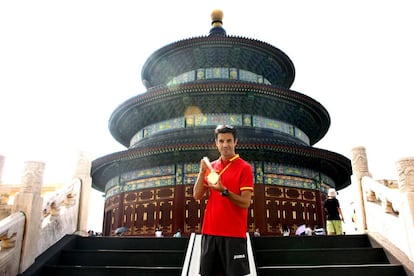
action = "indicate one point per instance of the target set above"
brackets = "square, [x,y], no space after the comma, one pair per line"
[405,169]
[83,172]
[1,168]
[29,201]
[4,196]
[360,169]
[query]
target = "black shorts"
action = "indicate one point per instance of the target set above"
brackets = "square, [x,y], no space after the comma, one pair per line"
[223,254]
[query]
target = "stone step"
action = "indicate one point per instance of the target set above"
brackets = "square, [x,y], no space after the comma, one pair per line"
[320,256]
[62,270]
[336,270]
[145,258]
[303,242]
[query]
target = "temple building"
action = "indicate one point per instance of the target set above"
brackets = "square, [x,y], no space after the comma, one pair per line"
[193,85]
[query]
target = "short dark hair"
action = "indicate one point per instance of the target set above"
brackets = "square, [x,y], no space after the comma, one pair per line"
[225,129]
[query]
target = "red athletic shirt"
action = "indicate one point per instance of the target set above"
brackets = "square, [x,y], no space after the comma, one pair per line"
[222,217]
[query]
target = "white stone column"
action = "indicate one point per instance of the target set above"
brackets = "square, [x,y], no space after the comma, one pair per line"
[360,169]
[405,169]
[83,172]
[29,201]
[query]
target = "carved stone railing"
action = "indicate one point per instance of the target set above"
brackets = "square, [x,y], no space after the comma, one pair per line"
[382,207]
[11,236]
[59,215]
[59,218]
[383,192]
[387,206]
[386,220]
[37,222]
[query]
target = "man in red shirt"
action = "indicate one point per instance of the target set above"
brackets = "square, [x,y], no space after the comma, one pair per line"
[229,191]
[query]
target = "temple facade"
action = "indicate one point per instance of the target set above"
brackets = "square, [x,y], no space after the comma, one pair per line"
[193,85]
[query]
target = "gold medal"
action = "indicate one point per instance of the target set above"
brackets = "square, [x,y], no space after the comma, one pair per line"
[212,177]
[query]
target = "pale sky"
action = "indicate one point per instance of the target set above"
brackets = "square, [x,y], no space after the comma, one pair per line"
[66,65]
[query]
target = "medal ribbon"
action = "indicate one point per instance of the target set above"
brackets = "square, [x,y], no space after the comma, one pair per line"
[228,165]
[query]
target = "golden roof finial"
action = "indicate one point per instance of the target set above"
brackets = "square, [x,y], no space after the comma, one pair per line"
[217,18]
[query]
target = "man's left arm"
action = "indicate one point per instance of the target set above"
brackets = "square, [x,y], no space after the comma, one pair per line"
[242,200]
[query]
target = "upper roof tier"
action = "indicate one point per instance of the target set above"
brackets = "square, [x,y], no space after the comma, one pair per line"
[218,50]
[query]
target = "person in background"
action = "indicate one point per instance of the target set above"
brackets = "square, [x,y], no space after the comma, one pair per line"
[318,231]
[177,234]
[158,233]
[285,230]
[334,217]
[308,231]
[224,241]
[303,230]
[256,233]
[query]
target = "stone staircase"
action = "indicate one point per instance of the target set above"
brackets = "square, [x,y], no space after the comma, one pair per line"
[76,255]
[322,255]
[297,255]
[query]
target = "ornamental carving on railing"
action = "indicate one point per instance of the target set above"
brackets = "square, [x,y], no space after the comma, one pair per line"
[405,169]
[383,192]
[63,197]
[7,241]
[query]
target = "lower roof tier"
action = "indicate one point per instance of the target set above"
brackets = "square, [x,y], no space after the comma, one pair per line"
[191,145]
